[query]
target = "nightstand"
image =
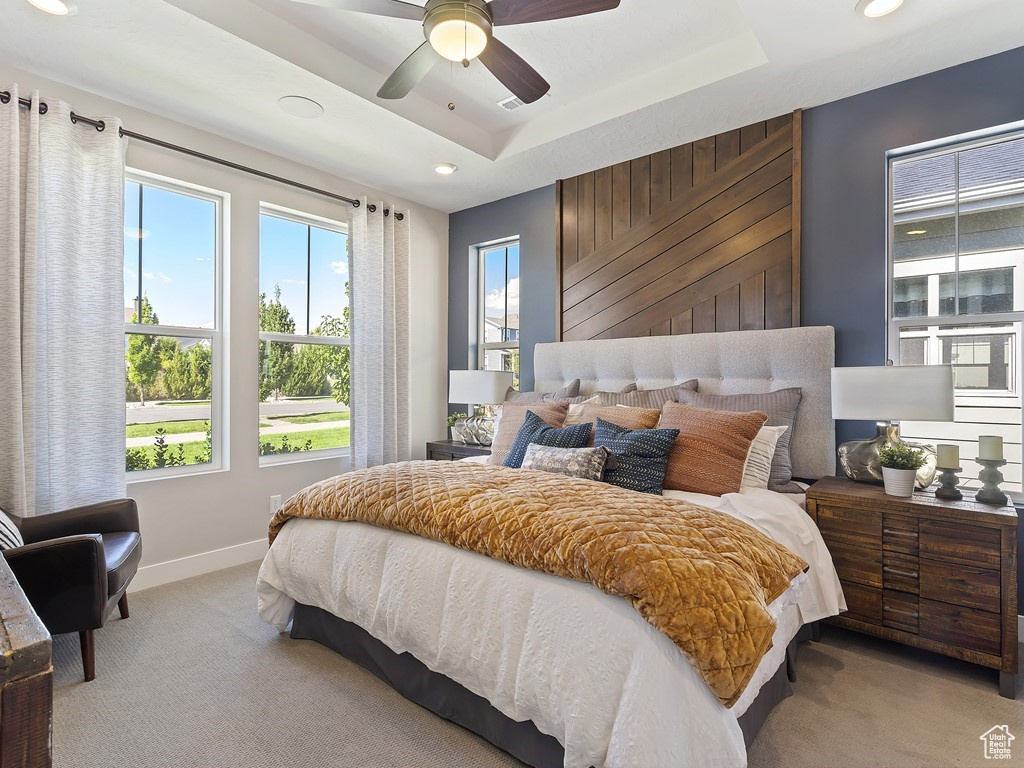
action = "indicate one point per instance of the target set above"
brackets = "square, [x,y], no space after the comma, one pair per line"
[453,450]
[933,574]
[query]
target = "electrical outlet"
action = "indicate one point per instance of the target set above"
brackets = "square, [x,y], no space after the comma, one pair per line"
[275,504]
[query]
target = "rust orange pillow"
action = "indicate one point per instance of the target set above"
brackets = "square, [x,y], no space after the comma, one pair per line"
[620,416]
[711,449]
[512,417]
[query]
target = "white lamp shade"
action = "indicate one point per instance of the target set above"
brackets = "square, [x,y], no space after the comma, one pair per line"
[893,393]
[478,387]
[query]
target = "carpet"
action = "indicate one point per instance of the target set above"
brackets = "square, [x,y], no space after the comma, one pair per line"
[194,678]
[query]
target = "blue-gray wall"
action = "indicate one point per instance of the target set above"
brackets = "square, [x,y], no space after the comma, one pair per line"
[530,217]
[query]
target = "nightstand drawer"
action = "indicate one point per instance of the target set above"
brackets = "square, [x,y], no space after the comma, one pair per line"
[900,534]
[900,572]
[959,626]
[900,611]
[859,527]
[863,603]
[960,585]
[958,543]
[857,564]
[440,456]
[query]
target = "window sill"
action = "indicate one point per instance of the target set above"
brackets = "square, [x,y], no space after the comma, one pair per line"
[303,457]
[171,473]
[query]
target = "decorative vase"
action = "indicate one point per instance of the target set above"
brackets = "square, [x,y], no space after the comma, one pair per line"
[859,458]
[899,482]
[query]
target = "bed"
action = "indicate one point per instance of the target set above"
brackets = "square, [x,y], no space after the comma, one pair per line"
[552,670]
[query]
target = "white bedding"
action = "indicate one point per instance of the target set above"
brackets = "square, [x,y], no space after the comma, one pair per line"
[582,665]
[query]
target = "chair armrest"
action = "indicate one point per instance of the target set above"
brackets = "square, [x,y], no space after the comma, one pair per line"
[64,579]
[105,517]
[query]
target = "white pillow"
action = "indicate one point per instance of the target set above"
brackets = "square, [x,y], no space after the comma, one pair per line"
[575,414]
[757,469]
[10,536]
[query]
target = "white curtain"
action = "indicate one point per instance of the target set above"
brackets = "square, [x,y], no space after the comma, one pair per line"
[61,309]
[380,335]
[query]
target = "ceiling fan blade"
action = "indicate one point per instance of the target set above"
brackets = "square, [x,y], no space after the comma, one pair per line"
[396,8]
[514,73]
[409,73]
[506,12]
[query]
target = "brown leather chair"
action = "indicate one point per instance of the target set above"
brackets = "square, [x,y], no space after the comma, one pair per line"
[75,566]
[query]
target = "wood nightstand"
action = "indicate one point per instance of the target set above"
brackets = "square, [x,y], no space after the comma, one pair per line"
[934,574]
[453,450]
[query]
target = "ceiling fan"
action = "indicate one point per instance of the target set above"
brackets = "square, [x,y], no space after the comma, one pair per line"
[460,30]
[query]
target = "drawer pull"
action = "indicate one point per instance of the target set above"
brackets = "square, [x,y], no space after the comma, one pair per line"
[912,614]
[892,532]
[898,572]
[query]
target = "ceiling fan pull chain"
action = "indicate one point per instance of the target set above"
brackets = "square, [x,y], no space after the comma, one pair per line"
[465,35]
[451,86]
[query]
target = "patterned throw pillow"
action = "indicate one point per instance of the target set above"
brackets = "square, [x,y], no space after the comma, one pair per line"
[641,455]
[647,398]
[535,430]
[512,417]
[622,416]
[757,469]
[587,463]
[10,536]
[711,450]
[781,406]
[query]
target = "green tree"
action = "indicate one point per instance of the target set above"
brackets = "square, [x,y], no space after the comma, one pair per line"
[144,354]
[187,372]
[321,369]
[276,359]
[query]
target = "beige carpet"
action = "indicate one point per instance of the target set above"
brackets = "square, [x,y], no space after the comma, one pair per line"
[194,678]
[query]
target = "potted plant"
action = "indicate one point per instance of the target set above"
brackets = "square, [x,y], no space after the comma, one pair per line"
[900,462]
[453,425]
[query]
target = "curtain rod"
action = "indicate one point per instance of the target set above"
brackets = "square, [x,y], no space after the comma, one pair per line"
[99,125]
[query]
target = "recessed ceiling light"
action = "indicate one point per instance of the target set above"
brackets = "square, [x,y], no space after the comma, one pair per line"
[875,8]
[917,231]
[56,7]
[300,106]
[446,169]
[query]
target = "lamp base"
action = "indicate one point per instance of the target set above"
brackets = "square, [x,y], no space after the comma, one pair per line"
[479,428]
[859,458]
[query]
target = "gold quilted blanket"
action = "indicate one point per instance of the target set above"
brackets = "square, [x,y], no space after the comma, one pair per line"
[699,576]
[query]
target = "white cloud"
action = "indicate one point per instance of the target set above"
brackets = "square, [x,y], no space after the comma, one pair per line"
[339,267]
[496,299]
[290,281]
[164,278]
[148,276]
[158,276]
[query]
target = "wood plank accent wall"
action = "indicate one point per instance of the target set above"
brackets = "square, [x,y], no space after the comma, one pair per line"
[700,238]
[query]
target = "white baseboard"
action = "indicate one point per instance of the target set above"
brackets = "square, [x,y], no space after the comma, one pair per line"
[196,565]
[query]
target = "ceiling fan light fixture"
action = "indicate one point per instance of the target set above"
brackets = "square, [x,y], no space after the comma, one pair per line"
[55,7]
[457,31]
[874,9]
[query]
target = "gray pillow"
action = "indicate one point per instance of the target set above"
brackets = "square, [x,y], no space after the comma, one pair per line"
[570,390]
[780,406]
[647,398]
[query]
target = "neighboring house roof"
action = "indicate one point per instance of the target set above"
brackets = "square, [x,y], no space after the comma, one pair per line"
[982,167]
[512,321]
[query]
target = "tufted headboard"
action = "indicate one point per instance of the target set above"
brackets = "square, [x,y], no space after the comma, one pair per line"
[724,363]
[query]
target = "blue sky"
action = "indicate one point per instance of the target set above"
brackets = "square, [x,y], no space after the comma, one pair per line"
[178,236]
[501,287]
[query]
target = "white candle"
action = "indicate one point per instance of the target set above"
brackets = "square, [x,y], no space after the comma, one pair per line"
[990,447]
[948,456]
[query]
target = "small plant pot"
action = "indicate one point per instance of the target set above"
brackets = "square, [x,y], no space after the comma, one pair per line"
[899,482]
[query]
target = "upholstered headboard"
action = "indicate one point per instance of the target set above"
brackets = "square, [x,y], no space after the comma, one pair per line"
[724,363]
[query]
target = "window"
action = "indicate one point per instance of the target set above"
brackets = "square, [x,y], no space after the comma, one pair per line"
[498,330]
[304,328]
[172,312]
[957,285]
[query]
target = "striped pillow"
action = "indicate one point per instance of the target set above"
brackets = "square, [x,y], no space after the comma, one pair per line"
[641,455]
[535,430]
[757,470]
[781,406]
[512,417]
[647,398]
[10,536]
[711,450]
[570,390]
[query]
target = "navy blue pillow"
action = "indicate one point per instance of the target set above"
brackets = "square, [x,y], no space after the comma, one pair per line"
[641,455]
[536,430]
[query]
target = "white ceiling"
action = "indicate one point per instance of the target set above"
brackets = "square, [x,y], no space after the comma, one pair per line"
[649,75]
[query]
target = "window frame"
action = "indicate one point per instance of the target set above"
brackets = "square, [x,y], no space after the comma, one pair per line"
[332,225]
[217,335]
[483,346]
[967,324]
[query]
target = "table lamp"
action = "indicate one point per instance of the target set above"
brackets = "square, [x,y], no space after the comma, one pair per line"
[478,388]
[887,395]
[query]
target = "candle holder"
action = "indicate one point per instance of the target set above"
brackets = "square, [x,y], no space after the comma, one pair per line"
[948,482]
[991,477]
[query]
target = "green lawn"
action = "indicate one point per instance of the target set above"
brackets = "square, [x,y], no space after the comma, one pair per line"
[313,418]
[323,438]
[170,427]
[182,403]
